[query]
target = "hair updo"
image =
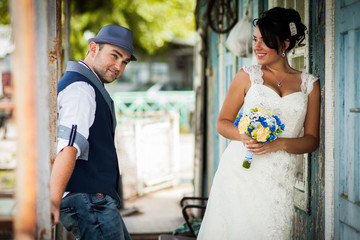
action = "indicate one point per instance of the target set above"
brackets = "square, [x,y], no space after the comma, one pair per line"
[274,27]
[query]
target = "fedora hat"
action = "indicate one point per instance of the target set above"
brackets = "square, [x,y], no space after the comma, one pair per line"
[118,36]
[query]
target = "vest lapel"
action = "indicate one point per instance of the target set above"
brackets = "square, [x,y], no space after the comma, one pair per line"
[79,68]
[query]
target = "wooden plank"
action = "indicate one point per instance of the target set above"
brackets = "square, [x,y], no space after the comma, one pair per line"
[347,23]
[349,213]
[347,38]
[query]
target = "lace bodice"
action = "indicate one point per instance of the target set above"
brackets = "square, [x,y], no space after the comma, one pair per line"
[291,108]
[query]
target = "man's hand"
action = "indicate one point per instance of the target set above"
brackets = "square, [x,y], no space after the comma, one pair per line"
[55,213]
[61,172]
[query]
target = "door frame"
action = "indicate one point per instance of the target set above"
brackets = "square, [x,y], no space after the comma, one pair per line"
[329,118]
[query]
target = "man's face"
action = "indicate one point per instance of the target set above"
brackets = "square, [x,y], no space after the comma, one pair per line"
[109,62]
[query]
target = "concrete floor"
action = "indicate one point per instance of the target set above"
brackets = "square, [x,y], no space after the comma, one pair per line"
[158,212]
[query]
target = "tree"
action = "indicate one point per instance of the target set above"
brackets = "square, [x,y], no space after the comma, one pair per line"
[154,23]
[4,12]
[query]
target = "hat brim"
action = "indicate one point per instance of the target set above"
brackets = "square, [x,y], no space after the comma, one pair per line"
[117,44]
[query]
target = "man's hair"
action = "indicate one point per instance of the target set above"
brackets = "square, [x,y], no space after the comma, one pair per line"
[101,45]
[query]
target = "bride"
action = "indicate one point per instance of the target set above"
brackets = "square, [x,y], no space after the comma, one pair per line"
[257,203]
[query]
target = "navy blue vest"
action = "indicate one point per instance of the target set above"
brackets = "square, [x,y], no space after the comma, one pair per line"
[100,174]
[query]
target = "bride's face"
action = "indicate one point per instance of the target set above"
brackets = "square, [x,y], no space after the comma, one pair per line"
[264,54]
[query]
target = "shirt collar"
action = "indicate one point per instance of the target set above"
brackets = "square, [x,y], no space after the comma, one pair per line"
[87,66]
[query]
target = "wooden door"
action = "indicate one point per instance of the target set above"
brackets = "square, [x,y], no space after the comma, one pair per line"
[347,120]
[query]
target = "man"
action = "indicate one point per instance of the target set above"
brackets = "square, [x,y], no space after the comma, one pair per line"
[85,175]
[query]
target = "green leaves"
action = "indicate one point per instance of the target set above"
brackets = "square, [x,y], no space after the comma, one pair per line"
[4,12]
[155,23]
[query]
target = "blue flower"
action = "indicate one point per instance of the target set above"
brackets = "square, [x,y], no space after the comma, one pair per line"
[272,137]
[264,124]
[237,120]
[278,122]
[272,128]
[282,126]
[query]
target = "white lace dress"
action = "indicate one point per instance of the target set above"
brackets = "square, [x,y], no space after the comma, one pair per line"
[257,203]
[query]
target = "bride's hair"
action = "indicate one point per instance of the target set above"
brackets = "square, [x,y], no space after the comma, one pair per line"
[278,24]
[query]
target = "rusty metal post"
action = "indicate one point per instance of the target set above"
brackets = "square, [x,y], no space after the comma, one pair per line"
[42,113]
[30,71]
[55,66]
[55,70]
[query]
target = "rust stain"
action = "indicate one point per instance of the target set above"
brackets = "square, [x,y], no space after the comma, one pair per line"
[44,234]
[55,66]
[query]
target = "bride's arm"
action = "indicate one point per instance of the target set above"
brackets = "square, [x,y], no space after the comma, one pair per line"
[310,141]
[233,101]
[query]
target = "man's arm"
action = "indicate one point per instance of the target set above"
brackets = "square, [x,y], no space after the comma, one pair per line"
[61,172]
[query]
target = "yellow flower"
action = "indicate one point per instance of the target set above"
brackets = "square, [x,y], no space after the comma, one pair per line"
[263,111]
[261,133]
[243,124]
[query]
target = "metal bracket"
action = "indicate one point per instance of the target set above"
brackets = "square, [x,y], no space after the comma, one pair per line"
[356,110]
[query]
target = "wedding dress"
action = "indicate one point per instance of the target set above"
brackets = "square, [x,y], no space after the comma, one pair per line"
[257,203]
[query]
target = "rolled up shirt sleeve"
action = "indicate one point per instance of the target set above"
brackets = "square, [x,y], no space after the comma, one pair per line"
[76,106]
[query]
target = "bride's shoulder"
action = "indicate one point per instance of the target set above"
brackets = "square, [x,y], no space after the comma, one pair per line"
[255,73]
[307,82]
[252,69]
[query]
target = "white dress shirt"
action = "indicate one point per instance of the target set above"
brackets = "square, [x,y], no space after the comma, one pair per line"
[76,106]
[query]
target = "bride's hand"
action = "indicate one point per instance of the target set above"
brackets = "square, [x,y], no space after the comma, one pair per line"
[254,146]
[247,140]
[258,147]
[250,143]
[261,148]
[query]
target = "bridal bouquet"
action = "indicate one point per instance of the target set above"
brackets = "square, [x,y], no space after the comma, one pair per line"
[262,125]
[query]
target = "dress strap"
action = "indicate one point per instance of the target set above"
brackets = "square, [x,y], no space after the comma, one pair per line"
[307,82]
[255,74]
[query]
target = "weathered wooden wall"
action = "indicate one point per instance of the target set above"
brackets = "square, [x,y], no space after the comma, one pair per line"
[312,225]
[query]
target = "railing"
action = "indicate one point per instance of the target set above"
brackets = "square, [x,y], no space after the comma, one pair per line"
[181,101]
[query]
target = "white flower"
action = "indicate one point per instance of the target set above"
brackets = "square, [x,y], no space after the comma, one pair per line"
[254,116]
[270,121]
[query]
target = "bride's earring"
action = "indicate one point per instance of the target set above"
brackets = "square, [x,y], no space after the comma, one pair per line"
[283,54]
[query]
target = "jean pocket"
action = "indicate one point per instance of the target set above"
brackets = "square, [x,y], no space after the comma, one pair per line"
[102,203]
[68,218]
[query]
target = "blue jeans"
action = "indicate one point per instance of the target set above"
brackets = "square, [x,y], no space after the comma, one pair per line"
[92,216]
